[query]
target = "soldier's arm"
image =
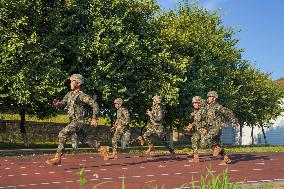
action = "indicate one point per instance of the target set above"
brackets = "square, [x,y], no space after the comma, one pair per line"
[126,116]
[91,102]
[157,115]
[229,114]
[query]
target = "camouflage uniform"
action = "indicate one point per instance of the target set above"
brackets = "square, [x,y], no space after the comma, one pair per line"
[122,120]
[215,114]
[155,126]
[198,123]
[76,110]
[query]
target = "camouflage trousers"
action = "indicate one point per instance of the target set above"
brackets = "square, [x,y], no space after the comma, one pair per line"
[195,141]
[158,130]
[119,133]
[74,127]
[211,138]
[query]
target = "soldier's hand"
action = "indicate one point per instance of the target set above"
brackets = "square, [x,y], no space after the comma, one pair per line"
[224,125]
[203,131]
[117,127]
[189,127]
[94,122]
[235,125]
[149,113]
[56,102]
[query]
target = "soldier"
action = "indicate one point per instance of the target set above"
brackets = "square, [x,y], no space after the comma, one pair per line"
[75,101]
[214,121]
[155,127]
[121,126]
[197,115]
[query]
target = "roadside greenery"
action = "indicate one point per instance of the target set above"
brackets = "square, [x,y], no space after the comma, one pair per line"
[129,49]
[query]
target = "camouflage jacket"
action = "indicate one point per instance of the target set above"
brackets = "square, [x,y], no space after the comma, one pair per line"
[122,117]
[215,114]
[198,116]
[76,105]
[157,115]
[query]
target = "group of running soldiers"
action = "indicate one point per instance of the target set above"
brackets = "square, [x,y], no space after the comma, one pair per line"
[208,118]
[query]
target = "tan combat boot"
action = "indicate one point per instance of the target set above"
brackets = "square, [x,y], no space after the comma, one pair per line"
[195,159]
[113,155]
[149,150]
[104,152]
[55,161]
[216,151]
[226,160]
[141,140]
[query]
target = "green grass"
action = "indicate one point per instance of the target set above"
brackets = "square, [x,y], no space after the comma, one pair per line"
[62,118]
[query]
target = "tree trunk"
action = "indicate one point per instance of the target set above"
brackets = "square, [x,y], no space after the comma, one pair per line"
[22,127]
[171,136]
[241,133]
[252,138]
[264,135]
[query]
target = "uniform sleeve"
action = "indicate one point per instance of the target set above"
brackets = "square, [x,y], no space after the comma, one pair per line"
[126,117]
[229,114]
[65,99]
[91,102]
[157,115]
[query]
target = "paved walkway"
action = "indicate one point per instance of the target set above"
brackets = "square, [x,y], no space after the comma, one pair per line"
[138,170]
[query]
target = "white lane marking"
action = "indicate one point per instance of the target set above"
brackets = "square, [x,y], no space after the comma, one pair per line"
[265,180]
[7,168]
[22,185]
[234,170]
[211,171]
[124,168]
[44,183]
[259,163]
[12,163]
[252,181]
[11,186]
[161,166]
[122,177]
[68,171]
[178,173]
[279,179]
[22,167]
[92,157]
[24,174]
[187,165]
[63,158]
[5,160]
[32,184]
[69,181]
[141,167]
[87,170]
[35,162]
[257,169]
[164,174]
[107,178]
[51,172]
[136,176]
[56,182]
[93,179]
[11,175]
[37,173]
[107,163]
[59,165]
[41,166]
[103,169]
[149,175]
[84,160]
[82,164]
[194,172]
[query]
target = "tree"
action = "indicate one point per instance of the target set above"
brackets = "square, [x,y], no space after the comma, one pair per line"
[29,71]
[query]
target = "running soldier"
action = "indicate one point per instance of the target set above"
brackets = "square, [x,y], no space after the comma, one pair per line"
[198,123]
[75,101]
[121,126]
[215,114]
[155,127]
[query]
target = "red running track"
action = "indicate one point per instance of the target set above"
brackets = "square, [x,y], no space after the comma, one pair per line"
[139,171]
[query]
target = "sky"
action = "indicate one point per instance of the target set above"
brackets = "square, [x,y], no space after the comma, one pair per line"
[261,25]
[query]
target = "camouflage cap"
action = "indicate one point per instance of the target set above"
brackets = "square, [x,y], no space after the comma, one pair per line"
[157,98]
[77,77]
[196,99]
[212,93]
[118,101]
